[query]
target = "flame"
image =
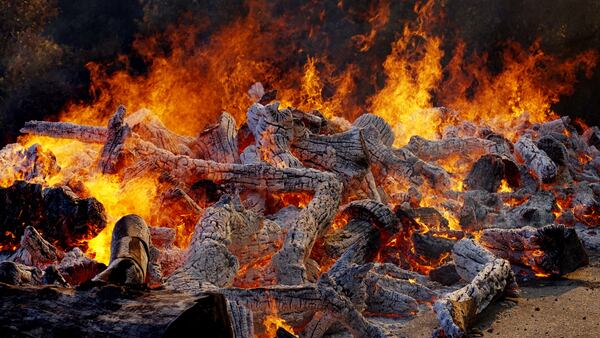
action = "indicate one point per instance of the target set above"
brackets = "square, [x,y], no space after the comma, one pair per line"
[118,197]
[188,86]
[413,70]
[379,15]
[504,187]
[272,322]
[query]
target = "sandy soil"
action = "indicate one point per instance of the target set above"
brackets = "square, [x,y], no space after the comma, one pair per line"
[567,307]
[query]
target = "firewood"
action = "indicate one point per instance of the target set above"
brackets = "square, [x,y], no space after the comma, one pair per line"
[67,130]
[554,149]
[209,259]
[77,268]
[19,274]
[63,219]
[162,237]
[273,131]
[537,210]
[386,134]
[366,219]
[429,150]
[488,276]
[486,174]
[33,164]
[552,249]
[241,319]
[149,127]
[427,245]
[129,252]
[322,296]
[35,250]
[111,310]
[536,159]
[52,276]
[112,154]
[217,142]
[560,126]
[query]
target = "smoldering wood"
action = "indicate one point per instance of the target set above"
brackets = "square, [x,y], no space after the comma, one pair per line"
[537,210]
[551,249]
[427,245]
[217,142]
[35,250]
[386,134]
[19,274]
[66,130]
[77,268]
[33,164]
[560,126]
[150,127]
[110,310]
[112,154]
[433,150]
[273,130]
[536,159]
[312,297]
[209,260]
[486,174]
[63,219]
[445,274]
[162,237]
[429,216]
[129,252]
[554,149]
[488,276]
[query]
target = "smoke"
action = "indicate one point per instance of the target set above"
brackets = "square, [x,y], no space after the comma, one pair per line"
[46,44]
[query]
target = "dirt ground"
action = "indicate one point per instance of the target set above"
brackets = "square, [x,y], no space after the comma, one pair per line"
[567,307]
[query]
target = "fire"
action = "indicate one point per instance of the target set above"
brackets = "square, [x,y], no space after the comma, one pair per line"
[413,71]
[119,197]
[191,83]
[272,322]
[504,187]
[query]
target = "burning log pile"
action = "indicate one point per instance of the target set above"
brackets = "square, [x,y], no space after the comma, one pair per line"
[319,223]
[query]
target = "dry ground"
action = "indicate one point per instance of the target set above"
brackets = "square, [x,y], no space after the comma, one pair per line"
[567,307]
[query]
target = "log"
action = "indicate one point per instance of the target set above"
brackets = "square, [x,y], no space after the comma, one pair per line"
[554,149]
[33,164]
[18,274]
[209,259]
[434,150]
[273,131]
[217,142]
[486,174]
[429,246]
[149,127]
[552,249]
[76,268]
[64,219]
[66,130]
[386,134]
[110,311]
[536,159]
[35,250]
[489,277]
[129,252]
[112,156]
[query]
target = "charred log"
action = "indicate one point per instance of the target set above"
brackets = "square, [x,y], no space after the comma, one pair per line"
[129,252]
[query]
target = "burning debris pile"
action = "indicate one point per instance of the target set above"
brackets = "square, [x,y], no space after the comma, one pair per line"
[301,223]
